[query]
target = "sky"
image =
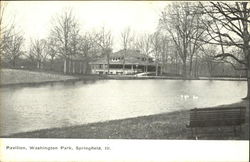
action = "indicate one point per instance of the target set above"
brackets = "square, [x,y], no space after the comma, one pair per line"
[33,19]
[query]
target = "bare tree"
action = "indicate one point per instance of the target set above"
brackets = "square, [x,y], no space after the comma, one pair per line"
[164,51]
[228,27]
[197,34]
[156,49]
[104,40]
[65,32]
[87,46]
[38,52]
[126,41]
[182,24]
[2,27]
[7,29]
[87,43]
[13,47]
[2,8]
[51,51]
[143,43]
[209,51]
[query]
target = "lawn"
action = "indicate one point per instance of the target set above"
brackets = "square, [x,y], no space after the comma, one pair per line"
[13,76]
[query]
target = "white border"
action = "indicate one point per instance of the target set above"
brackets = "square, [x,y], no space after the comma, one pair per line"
[126,150]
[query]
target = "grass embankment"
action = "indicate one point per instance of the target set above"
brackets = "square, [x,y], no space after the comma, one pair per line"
[162,126]
[15,77]
[25,77]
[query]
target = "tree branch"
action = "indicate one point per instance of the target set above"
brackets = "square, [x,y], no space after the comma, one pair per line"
[225,55]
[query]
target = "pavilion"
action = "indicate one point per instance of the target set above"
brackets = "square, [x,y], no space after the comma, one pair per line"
[134,61]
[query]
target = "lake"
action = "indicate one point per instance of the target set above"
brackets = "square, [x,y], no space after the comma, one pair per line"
[75,103]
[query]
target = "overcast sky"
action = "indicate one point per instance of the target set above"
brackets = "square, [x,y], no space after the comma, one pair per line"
[34,18]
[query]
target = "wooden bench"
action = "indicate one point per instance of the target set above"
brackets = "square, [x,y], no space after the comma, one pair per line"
[216,117]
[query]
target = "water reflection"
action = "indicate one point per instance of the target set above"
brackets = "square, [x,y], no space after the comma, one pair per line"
[73,103]
[51,84]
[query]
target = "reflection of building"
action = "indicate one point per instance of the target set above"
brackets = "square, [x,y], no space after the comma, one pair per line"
[135,62]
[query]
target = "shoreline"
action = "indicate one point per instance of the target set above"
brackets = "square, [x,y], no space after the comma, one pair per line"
[31,84]
[112,77]
[75,78]
[27,84]
[15,78]
[170,125]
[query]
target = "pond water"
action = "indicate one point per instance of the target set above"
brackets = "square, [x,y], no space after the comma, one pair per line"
[66,104]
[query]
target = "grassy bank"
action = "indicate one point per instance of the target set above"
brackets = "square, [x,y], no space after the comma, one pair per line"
[13,76]
[10,77]
[162,126]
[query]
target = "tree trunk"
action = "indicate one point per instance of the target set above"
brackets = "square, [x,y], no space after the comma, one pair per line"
[73,68]
[38,65]
[248,79]
[14,63]
[86,67]
[80,69]
[176,63]
[184,69]
[248,84]
[65,66]
[191,66]
[163,63]
[69,67]
[51,64]
[156,64]
[123,64]
[156,69]
[41,65]
[246,127]
[195,68]
[108,62]
[162,67]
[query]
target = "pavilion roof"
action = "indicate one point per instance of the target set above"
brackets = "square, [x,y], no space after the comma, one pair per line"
[132,57]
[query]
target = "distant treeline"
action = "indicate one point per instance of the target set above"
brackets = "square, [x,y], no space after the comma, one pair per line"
[220,69]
